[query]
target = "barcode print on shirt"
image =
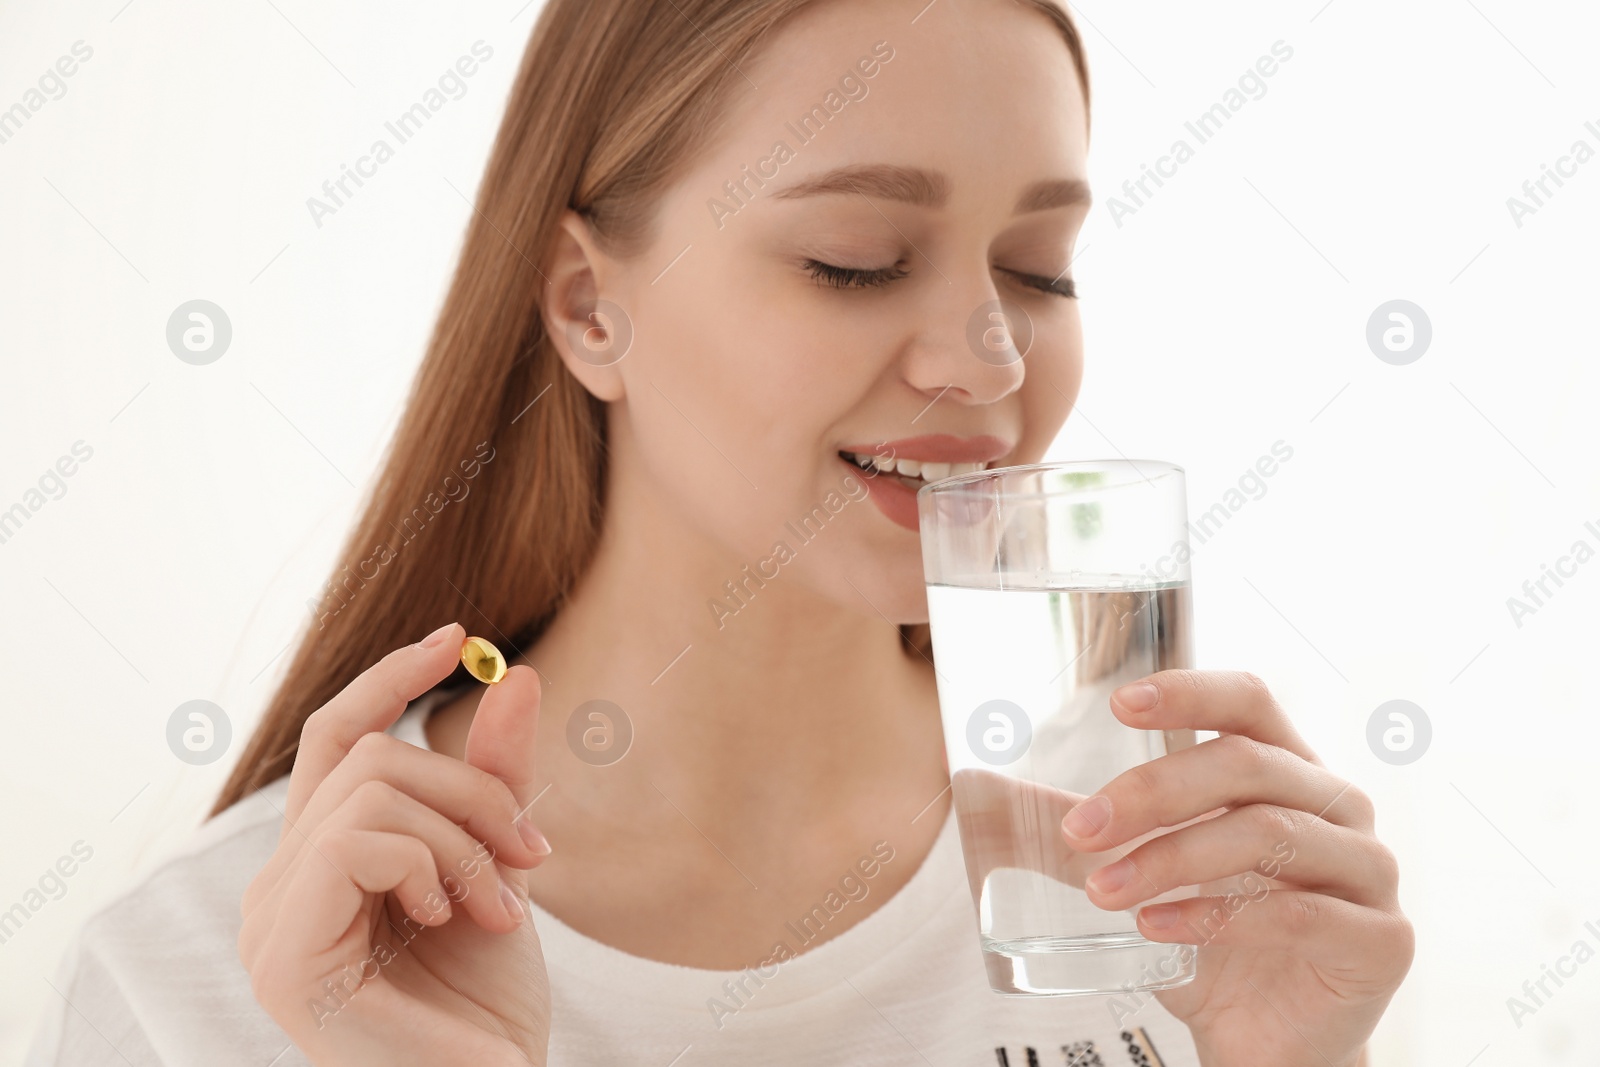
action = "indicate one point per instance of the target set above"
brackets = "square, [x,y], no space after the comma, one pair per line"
[1141,1053]
[1082,1054]
[1141,1050]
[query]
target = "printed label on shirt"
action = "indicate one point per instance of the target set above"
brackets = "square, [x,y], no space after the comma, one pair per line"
[1140,1048]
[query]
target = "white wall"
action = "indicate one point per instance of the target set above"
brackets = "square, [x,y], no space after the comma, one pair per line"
[1226,313]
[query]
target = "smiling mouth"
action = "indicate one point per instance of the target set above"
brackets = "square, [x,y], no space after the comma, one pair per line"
[911,473]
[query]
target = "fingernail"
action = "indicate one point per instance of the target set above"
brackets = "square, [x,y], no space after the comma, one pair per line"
[1159,916]
[1140,696]
[508,897]
[537,843]
[1088,818]
[1111,877]
[438,635]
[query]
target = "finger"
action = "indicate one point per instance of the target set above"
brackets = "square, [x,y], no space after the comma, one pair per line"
[1225,772]
[1263,846]
[1366,944]
[505,728]
[502,741]
[326,893]
[466,866]
[373,701]
[464,794]
[1229,702]
[461,793]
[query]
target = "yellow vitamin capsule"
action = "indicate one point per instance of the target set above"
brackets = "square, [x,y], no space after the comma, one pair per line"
[483,661]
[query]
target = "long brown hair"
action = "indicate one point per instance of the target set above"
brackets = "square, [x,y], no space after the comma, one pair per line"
[488,505]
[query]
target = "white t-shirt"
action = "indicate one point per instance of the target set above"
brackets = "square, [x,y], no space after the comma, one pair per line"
[155,978]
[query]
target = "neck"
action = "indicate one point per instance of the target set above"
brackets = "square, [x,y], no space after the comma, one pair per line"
[719,690]
[745,715]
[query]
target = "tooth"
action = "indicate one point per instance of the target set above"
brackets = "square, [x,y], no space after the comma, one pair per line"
[965,468]
[932,472]
[909,467]
[883,463]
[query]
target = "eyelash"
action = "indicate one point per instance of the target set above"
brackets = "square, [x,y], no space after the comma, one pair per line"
[855,278]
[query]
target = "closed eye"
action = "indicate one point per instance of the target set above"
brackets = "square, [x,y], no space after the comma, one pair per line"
[858,278]
[1056,286]
[853,277]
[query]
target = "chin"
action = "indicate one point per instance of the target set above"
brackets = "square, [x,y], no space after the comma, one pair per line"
[885,587]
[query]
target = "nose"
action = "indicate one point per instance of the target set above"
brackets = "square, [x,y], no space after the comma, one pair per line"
[970,344]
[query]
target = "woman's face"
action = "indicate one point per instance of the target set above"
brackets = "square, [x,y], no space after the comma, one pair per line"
[824,280]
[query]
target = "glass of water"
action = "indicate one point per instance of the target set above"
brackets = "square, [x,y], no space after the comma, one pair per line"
[1048,587]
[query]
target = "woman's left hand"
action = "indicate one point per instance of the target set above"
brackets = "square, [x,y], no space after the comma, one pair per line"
[1297,964]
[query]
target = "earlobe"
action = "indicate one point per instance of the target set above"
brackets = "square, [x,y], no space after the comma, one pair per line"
[590,333]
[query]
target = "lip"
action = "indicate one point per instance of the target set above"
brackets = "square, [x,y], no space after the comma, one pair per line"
[897,502]
[938,448]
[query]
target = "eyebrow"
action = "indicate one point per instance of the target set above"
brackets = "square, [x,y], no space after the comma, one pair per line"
[926,188]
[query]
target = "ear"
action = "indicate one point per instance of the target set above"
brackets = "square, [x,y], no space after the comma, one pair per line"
[591,333]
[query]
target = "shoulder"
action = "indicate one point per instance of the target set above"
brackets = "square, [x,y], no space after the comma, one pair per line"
[161,958]
[154,975]
[192,896]
[201,883]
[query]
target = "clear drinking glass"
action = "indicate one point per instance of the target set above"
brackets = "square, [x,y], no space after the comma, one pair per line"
[1048,587]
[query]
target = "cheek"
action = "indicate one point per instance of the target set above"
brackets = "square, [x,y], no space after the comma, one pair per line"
[1050,388]
[733,402]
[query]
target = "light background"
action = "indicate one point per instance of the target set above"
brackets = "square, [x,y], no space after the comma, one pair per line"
[1227,313]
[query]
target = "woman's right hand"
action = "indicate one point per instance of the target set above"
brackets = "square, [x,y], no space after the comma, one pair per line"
[389,926]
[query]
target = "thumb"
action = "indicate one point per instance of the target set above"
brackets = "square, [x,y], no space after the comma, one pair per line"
[502,741]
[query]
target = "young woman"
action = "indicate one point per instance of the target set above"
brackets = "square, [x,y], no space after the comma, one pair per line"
[726,252]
